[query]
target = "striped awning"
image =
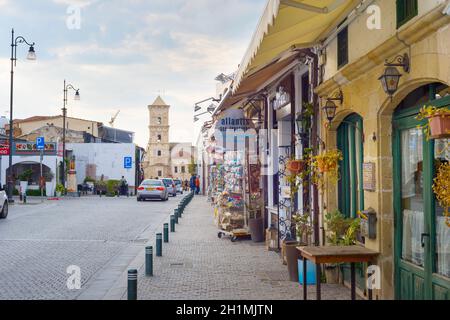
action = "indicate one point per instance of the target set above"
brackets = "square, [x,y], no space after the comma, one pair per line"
[287,24]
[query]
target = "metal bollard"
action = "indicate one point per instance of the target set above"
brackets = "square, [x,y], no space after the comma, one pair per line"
[180,210]
[132,284]
[159,245]
[149,261]
[166,233]
[176,215]
[172,223]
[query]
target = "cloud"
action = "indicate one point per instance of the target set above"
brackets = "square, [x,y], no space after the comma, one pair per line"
[124,54]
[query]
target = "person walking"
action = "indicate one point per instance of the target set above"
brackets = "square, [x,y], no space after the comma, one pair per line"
[197,185]
[192,183]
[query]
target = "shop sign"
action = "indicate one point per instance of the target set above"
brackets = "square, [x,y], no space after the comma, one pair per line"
[31,149]
[282,99]
[4,149]
[369,179]
[233,119]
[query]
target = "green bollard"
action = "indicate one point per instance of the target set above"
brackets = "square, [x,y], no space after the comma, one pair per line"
[149,261]
[166,233]
[132,284]
[159,245]
[176,215]
[172,223]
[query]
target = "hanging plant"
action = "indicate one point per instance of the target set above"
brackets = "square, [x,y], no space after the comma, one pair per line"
[295,166]
[325,166]
[438,124]
[441,188]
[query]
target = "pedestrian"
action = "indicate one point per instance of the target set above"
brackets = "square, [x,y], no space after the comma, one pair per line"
[123,186]
[197,185]
[192,183]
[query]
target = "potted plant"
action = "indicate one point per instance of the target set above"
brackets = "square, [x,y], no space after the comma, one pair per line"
[441,188]
[341,231]
[60,190]
[24,178]
[303,229]
[438,125]
[326,165]
[48,176]
[256,221]
[295,166]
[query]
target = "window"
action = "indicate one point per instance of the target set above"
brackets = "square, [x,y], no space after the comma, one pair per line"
[159,138]
[342,54]
[159,120]
[159,153]
[406,10]
[350,142]
[160,173]
[183,169]
[176,169]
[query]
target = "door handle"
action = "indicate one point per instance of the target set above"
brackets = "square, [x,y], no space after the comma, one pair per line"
[422,238]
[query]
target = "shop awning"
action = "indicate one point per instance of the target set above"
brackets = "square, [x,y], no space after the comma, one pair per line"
[291,23]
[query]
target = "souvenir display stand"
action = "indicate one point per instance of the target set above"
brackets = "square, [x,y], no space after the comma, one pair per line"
[231,218]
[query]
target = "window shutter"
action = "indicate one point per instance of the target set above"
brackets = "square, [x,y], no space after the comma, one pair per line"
[343,47]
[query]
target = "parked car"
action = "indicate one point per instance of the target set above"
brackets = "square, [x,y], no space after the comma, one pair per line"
[152,189]
[3,205]
[179,186]
[170,185]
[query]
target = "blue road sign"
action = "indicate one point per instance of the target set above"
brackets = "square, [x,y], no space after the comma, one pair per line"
[128,163]
[40,143]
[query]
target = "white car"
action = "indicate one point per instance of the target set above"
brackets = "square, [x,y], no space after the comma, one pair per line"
[3,205]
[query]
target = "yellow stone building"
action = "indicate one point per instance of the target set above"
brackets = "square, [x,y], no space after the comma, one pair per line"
[381,142]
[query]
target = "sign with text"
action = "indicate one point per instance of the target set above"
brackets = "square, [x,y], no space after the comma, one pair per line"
[40,143]
[128,163]
[4,149]
[369,178]
[31,149]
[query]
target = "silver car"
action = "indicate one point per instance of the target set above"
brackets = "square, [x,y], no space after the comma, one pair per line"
[3,204]
[170,185]
[152,189]
[179,185]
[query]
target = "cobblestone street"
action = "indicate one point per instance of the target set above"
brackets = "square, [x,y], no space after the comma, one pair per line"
[100,235]
[196,265]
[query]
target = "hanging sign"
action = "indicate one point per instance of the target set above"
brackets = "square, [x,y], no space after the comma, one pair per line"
[282,99]
[233,119]
[31,149]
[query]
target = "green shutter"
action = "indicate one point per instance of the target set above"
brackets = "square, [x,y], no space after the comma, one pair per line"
[406,10]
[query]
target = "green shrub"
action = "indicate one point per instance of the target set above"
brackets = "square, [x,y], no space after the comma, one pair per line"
[89,179]
[112,187]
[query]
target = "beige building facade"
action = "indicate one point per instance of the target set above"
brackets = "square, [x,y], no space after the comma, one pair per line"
[379,137]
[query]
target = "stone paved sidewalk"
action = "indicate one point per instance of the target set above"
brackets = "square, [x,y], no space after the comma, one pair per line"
[196,265]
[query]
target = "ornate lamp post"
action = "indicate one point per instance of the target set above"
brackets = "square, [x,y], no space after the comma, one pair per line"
[77,97]
[15,41]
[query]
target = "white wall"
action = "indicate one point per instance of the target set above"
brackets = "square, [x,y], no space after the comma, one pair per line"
[108,157]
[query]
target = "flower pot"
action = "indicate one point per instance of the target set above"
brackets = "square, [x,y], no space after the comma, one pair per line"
[58,194]
[23,187]
[256,228]
[311,272]
[49,189]
[439,126]
[292,256]
[325,166]
[295,166]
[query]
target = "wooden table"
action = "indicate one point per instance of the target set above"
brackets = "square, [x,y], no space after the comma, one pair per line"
[335,254]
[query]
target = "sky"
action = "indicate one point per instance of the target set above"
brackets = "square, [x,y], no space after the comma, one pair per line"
[122,54]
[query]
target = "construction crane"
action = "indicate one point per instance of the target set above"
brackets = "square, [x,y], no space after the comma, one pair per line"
[113,119]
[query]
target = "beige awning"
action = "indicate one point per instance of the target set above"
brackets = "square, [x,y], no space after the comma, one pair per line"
[291,23]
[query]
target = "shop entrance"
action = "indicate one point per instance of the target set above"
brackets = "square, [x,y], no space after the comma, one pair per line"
[422,237]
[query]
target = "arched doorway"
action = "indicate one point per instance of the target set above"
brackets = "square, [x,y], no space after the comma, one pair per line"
[21,167]
[421,236]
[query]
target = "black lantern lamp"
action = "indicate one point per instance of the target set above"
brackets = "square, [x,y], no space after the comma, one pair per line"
[391,76]
[330,107]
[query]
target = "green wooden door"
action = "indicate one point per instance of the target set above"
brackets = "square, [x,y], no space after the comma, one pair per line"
[422,239]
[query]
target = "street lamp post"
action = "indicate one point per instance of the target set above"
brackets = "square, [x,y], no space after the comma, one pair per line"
[67,87]
[31,56]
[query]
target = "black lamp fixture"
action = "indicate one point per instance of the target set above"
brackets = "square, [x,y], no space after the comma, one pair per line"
[330,107]
[391,76]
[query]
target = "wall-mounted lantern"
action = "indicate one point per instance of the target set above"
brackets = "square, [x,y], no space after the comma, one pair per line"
[391,76]
[330,107]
